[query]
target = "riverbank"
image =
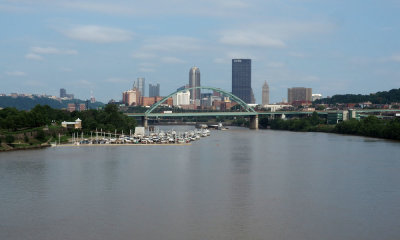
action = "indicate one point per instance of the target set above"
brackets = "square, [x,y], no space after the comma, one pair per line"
[368,127]
[7,148]
[125,144]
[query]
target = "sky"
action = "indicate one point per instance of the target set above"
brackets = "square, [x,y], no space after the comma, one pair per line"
[333,47]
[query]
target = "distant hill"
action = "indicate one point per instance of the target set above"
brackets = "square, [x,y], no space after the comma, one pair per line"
[27,103]
[384,97]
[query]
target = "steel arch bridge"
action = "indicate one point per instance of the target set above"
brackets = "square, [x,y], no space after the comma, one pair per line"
[233,97]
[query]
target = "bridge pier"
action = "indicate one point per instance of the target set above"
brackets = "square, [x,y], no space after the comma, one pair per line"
[145,122]
[254,122]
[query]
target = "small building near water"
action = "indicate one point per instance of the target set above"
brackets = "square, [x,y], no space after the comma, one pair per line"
[75,125]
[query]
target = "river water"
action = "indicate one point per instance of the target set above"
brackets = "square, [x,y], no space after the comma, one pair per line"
[235,184]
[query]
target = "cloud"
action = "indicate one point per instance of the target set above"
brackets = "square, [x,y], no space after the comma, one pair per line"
[275,64]
[249,38]
[221,60]
[116,80]
[144,69]
[99,7]
[98,34]
[297,54]
[16,74]
[173,43]
[52,50]
[65,69]
[143,55]
[33,83]
[232,3]
[240,54]
[311,78]
[85,82]
[275,35]
[33,56]
[158,8]
[171,60]
[394,58]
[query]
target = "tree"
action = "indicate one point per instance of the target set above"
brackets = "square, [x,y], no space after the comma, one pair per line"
[315,120]
[263,122]
[10,139]
[40,135]
[26,139]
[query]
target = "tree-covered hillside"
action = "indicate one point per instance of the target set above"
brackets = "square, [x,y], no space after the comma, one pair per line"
[26,103]
[384,97]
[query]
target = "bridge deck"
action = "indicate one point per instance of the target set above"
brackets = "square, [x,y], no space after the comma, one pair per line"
[216,114]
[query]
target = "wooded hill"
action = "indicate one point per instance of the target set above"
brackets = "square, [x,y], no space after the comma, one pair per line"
[384,97]
[27,103]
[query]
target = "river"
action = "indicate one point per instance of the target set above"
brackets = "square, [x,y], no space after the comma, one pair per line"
[235,184]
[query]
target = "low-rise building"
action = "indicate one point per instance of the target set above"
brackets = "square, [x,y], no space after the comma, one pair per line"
[75,125]
[71,107]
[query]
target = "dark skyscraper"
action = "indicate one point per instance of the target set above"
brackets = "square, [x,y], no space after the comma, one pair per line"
[241,79]
[154,90]
[63,93]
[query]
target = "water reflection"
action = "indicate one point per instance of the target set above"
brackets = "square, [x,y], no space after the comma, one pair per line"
[236,184]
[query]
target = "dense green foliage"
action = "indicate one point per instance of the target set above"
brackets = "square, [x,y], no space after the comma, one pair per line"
[371,126]
[41,135]
[9,139]
[241,122]
[26,103]
[13,119]
[108,119]
[384,97]
[311,123]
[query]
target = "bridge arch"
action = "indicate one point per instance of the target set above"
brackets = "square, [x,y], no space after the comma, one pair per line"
[233,97]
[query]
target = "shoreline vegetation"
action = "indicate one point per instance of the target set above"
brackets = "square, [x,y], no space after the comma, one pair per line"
[370,126]
[37,128]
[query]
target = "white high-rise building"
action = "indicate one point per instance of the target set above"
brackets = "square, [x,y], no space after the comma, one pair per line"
[181,98]
[265,94]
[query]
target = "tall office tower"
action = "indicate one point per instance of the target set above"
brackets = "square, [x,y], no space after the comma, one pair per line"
[140,85]
[154,90]
[241,79]
[194,81]
[63,93]
[299,94]
[265,94]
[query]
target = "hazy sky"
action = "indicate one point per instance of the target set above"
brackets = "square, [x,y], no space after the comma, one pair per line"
[331,46]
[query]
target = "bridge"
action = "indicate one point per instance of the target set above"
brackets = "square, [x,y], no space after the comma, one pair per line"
[248,110]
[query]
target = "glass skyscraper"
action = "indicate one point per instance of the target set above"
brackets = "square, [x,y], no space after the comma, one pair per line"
[194,81]
[241,80]
[154,90]
[140,85]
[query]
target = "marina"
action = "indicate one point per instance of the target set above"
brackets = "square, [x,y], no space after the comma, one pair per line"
[140,137]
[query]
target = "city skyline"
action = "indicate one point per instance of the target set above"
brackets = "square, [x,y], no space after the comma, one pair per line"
[82,46]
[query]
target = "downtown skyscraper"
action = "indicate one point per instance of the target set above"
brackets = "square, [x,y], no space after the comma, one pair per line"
[154,90]
[241,80]
[140,85]
[194,81]
[265,94]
